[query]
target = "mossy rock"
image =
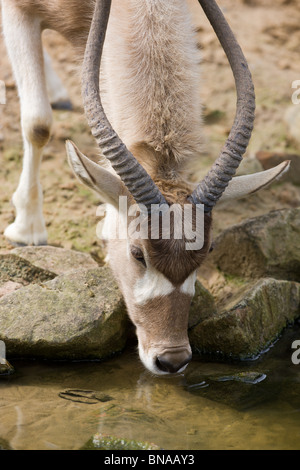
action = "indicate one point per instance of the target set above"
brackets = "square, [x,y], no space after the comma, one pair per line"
[6,369]
[202,306]
[17,269]
[250,321]
[101,442]
[4,445]
[265,246]
[241,391]
[79,315]
[55,260]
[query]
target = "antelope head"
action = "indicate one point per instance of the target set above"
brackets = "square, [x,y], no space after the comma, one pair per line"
[157,274]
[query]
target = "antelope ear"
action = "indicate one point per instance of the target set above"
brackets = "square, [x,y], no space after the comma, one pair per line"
[109,186]
[241,186]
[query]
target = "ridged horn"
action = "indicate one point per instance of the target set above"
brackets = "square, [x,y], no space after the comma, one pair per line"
[211,188]
[131,172]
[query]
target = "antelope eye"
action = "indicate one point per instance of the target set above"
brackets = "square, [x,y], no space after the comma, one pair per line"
[138,254]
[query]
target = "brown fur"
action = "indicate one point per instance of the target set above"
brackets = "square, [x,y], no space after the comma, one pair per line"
[171,258]
[171,321]
[40,135]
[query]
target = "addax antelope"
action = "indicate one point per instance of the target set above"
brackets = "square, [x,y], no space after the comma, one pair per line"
[147,125]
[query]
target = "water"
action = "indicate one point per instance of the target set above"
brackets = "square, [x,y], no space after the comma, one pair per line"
[211,406]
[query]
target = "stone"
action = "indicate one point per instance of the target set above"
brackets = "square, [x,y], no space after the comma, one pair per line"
[78,315]
[250,321]
[9,287]
[4,445]
[202,306]
[263,246]
[102,442]
[18,270]
[54,259]
[5,369]
[73,309]
[241,391]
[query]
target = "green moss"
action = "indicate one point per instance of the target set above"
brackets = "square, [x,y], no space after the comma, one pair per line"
[101,442]
[202,306]
[4,445]
[236,280]
[13,268]
[249,323]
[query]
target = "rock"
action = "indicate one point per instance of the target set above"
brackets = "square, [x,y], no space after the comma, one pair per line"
[28,265]
[247,377]
[18,270]
[4,445]
[251,308]
[78,315]
[74,310]
[102,442]
[264,246]
[241,391]
[56,260]
[77,306]
[9,287]
[271,159]
[6,369]
[250,321]
[202,306]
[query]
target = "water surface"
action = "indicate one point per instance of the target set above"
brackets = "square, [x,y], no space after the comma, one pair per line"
[212,405]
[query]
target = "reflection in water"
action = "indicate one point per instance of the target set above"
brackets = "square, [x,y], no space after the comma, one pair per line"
[19,422]
[209,406]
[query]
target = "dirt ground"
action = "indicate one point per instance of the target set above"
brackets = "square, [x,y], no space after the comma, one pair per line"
[269,33]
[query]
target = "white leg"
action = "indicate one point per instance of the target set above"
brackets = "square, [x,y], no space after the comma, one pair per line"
[22,34]
[58,94]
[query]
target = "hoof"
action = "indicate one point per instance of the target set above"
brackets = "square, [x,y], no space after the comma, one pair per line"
[16,244]
[19,237]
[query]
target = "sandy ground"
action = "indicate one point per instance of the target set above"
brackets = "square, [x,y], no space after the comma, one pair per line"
[269,34]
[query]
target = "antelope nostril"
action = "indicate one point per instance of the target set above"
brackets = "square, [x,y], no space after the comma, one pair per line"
[161,364]
[167,363]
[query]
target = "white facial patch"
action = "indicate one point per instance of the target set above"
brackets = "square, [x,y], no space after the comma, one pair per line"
[188,287]
[155,284]
[152,284]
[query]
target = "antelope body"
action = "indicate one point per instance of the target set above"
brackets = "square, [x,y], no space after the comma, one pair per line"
[150,129]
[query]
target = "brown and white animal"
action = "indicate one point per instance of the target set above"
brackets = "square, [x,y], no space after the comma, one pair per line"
[150,67]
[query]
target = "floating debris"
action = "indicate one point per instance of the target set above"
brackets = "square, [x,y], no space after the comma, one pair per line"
[245,377]
[90,397]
